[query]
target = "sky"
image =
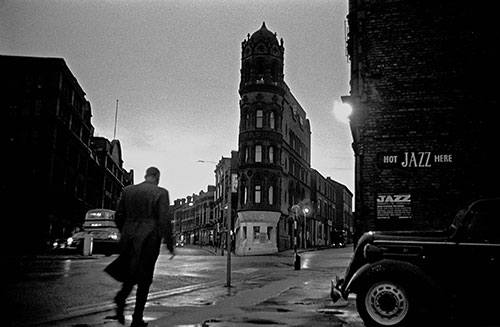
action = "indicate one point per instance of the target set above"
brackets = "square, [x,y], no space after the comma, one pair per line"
[174,67]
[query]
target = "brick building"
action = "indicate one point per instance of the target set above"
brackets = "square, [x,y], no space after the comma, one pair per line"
[226,196]
[424,106]
[55,168]
[193,218]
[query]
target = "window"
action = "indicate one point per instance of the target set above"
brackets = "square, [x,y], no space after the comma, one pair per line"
[258,153]
[269,232]
[259,116]
[271,195]
[272,123]
[271,154]
[258,192]
[244,232]
[256,232]
[245,195]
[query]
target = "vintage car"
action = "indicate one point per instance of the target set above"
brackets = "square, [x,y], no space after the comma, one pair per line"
[422,278]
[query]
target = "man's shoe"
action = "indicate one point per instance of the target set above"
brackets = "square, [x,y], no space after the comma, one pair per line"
[120,309]
[138,323]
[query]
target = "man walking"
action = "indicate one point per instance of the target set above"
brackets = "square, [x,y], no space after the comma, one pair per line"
[142,218]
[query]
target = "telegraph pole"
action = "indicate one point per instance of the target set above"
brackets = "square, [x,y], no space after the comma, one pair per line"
[116,119]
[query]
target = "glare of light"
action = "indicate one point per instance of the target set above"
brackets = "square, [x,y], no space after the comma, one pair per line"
[342,111]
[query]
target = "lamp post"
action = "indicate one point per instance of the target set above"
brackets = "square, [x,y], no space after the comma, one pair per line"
[295,209]
[305,211]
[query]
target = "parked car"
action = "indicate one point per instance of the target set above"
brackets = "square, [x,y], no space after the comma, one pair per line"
[419,278]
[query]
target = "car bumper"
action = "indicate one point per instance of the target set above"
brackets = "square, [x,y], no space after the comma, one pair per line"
[336,289]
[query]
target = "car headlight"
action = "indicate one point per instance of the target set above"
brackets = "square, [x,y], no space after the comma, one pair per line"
[70,240]
[372,253]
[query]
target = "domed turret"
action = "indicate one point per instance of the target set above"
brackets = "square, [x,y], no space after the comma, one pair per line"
[263,34]
[262,60]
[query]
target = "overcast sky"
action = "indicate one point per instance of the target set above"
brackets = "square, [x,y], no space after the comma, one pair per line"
[174,67]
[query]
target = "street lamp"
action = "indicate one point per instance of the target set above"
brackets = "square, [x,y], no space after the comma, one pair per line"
[305,211]
[342,111]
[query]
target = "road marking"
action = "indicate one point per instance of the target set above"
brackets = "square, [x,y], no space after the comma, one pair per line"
[94,308]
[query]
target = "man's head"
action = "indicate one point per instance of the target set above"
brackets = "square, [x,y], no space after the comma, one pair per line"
[152,175]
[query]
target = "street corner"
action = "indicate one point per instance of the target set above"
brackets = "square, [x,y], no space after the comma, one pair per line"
[303,304]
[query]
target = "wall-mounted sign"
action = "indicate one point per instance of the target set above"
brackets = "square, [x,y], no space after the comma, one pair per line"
[393,205]
[234,183]
[414,159]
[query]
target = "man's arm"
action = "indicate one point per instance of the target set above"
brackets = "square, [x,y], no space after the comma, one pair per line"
[120,214]
[165,220]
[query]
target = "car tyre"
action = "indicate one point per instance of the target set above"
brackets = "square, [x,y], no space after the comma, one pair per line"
[387,302]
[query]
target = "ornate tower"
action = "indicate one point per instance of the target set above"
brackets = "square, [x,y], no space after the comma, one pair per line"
[262,91]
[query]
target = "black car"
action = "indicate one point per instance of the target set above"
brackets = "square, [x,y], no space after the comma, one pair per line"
[421,278]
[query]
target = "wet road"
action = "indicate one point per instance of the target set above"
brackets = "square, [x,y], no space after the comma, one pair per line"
[42,289]
[48,286]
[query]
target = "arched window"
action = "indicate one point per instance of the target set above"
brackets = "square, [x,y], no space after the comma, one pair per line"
[260,71]
[270,195]
[275,71]
[258,118]
[258,194]
[271,154]
[272,122]
[246,72]
[258,153]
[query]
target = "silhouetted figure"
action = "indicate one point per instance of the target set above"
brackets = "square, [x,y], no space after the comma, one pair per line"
[142,218]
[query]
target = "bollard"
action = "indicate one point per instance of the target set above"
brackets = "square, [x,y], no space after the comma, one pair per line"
[88,241]
[297,262]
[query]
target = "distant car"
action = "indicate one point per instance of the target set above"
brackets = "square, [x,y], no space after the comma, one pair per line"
[179,244]
[100,225]
[60,243]
[420,278]
[339,244]
[103,241]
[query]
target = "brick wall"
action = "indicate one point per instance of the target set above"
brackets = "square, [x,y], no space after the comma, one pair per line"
[423,76]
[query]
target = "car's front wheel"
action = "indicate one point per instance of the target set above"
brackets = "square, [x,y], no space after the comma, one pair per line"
[385,302]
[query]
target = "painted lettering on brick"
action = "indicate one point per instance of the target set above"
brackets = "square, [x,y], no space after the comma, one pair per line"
[414,159]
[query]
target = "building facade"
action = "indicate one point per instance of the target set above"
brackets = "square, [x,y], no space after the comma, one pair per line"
[193,218]
[274,149]
[55,170]
[226,198]
[423,110]
[331,214]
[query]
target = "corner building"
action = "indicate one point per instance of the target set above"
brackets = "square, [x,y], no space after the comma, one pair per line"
[274,149]
[424,110]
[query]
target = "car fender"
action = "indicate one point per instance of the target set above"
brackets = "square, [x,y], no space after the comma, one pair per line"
[389,266]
